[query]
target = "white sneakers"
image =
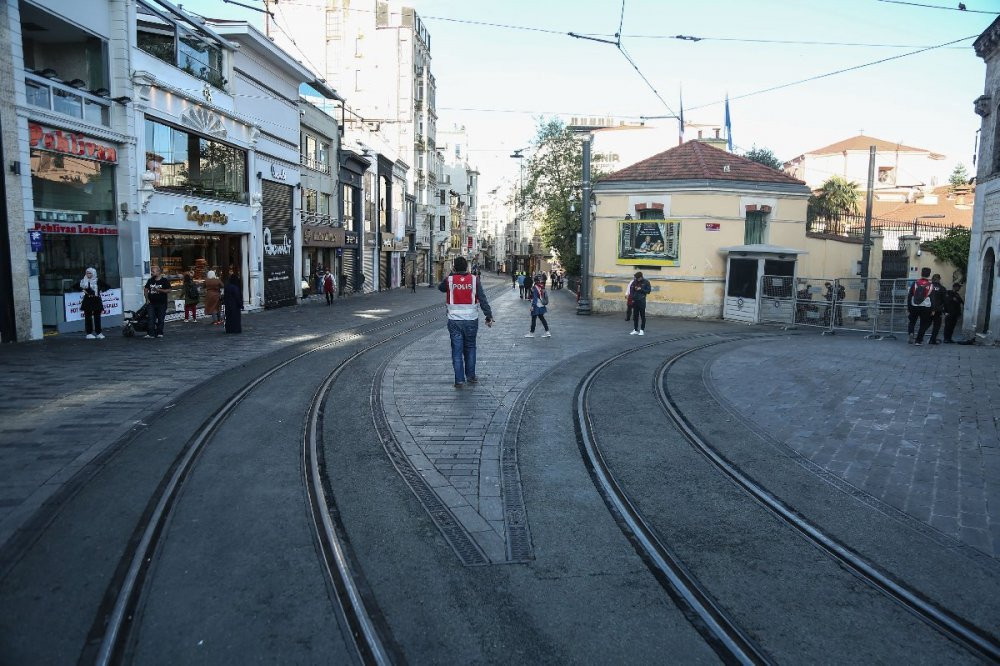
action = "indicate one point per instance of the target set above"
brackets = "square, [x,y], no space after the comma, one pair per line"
[637,333]
[529,335]
[642,332]
[100,336]
[546,334]
[90,336]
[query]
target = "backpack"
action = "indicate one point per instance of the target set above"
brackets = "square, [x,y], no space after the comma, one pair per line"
[545,298]
[920,293]
[841,293]
[192,290]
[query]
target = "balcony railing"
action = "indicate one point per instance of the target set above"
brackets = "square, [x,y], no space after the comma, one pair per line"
[56,96]
[314,164]
[320,219]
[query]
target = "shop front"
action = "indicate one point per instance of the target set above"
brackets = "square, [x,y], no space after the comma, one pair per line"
[322,248]
[351,263]
[178,252]
[277,209]
[75,224]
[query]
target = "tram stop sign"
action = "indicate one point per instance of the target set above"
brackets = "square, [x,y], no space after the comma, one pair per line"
[35,239]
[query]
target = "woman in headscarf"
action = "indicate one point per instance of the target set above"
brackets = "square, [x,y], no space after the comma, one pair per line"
[92,305]
[213,297]
[233,300]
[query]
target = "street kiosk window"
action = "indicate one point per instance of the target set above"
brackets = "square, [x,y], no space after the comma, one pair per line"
[742,278]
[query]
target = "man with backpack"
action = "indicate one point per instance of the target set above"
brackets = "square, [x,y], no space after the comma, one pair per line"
[919,300]
[937,307]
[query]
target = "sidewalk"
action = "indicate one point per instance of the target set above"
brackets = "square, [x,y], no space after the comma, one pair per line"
[65,399]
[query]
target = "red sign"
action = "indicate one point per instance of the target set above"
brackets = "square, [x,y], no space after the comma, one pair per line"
[470,242]
[70,143]
[81,229]
[712,226]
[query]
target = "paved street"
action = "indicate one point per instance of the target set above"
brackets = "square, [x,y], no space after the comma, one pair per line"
[880,431]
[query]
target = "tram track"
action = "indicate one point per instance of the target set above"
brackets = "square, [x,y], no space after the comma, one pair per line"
[956,628]
[114,624]
[707,615]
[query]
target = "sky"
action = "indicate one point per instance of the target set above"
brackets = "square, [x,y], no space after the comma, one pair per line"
[499,81]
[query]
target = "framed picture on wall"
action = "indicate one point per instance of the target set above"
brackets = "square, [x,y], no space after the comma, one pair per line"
[649,242]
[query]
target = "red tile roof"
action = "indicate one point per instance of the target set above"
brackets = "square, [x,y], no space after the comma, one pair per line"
[862,142]
[696,160]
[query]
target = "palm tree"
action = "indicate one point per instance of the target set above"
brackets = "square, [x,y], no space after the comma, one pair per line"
[836,197]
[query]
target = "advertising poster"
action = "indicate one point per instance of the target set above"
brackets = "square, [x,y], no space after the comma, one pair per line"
[649,242]
[112,299]
[279,257]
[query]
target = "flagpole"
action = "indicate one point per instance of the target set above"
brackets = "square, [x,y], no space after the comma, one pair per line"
[680,119]
[729,126]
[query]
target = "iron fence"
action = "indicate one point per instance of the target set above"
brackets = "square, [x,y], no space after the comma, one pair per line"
[851,225]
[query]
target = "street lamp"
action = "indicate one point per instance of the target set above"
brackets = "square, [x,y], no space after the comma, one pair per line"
[583,305]
[519,156]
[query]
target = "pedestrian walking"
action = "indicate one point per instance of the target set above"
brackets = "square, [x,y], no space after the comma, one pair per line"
[637,290]
[191,298]
[92,304]
[919,298]
[157,288]
[953,304]
[328,287]
[233,298]
[320,276]
[213,297]
[539,301]
[343,283]
[937,307]
[513,280]
[522,288]
[413,282]
[464,297]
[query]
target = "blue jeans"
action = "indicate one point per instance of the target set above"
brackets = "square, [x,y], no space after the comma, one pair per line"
[463,347]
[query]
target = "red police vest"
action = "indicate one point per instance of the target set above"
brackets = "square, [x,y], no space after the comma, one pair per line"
[462,299]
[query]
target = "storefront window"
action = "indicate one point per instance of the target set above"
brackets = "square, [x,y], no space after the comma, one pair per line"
[190,164]
[71,189]
[177,252]
[64,258]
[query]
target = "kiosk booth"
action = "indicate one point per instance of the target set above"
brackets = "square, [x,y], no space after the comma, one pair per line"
[746,265]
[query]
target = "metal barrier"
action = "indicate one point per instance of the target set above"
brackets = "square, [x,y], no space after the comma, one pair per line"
[854,305]
[874,307]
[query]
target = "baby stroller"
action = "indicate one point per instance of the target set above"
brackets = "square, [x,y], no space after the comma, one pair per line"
[135,320]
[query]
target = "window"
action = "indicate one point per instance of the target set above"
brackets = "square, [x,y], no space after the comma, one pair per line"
[348,195]
[742,278]
[310,200]
[324,204]
[651,214]
[755,229]
[443,220]
[441,196]
[887,175]
[72,189]
[188,163]
[182,44]
[323,156]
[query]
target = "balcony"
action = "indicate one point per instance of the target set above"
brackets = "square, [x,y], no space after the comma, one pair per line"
[53,95]
[314,164]
[319,219]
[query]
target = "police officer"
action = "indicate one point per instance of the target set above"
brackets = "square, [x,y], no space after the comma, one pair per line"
[464,296]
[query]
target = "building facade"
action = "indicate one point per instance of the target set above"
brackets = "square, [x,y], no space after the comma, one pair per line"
[982,295]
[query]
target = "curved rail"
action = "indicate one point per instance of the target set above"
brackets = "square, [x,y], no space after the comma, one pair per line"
[113,640]
[953,626]
[708,618]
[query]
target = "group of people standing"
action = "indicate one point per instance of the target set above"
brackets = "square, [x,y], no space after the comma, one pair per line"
[929,304]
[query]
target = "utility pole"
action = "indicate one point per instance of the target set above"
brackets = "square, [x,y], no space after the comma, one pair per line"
[866,246]
[583,306]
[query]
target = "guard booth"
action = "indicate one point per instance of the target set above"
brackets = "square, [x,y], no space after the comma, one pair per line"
[745,266]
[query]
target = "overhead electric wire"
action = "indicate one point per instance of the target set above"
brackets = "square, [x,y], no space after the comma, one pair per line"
[828,74]
[960,8]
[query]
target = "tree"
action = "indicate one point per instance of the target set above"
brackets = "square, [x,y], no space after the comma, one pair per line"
[552,176]
[764,156]
[959,177]
[836,197]
[952,247]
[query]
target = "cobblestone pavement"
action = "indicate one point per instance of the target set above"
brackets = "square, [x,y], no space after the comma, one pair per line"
[65,399]
[916,427]
[463,440]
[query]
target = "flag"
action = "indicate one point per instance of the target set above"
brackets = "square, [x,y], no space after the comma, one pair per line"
[729,127]
[680,130]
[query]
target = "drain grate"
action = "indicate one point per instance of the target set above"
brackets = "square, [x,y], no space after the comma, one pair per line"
[515,516]
[461,542]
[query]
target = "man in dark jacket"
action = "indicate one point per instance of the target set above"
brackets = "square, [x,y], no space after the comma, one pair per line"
[919,300]
[637,290]
[953,303]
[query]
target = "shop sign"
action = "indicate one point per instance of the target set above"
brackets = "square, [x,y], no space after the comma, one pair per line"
[712,226]
[351,238]
[112,303]
[70,143]
[274,249]
[215,217]
[470,242]
[35,240]
[322,236]
[79,229]
[278,173]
